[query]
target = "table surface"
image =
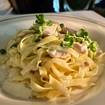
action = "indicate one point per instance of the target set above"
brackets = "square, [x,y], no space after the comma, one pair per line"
[91,16]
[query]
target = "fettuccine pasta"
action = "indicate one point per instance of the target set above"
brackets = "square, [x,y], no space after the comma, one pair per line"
[52,61]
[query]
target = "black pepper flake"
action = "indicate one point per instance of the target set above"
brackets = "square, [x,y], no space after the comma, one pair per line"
[2,51]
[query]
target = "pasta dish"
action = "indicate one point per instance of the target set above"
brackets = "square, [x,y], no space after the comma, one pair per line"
[51,61]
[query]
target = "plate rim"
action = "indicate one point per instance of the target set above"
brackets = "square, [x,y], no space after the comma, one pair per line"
[13,17]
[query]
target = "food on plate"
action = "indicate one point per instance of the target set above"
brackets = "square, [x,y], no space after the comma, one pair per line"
[51,61]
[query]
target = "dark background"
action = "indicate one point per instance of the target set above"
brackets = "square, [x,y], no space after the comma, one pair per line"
[40,6]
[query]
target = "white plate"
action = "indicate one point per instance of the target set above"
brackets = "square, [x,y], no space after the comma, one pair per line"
[8,28]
